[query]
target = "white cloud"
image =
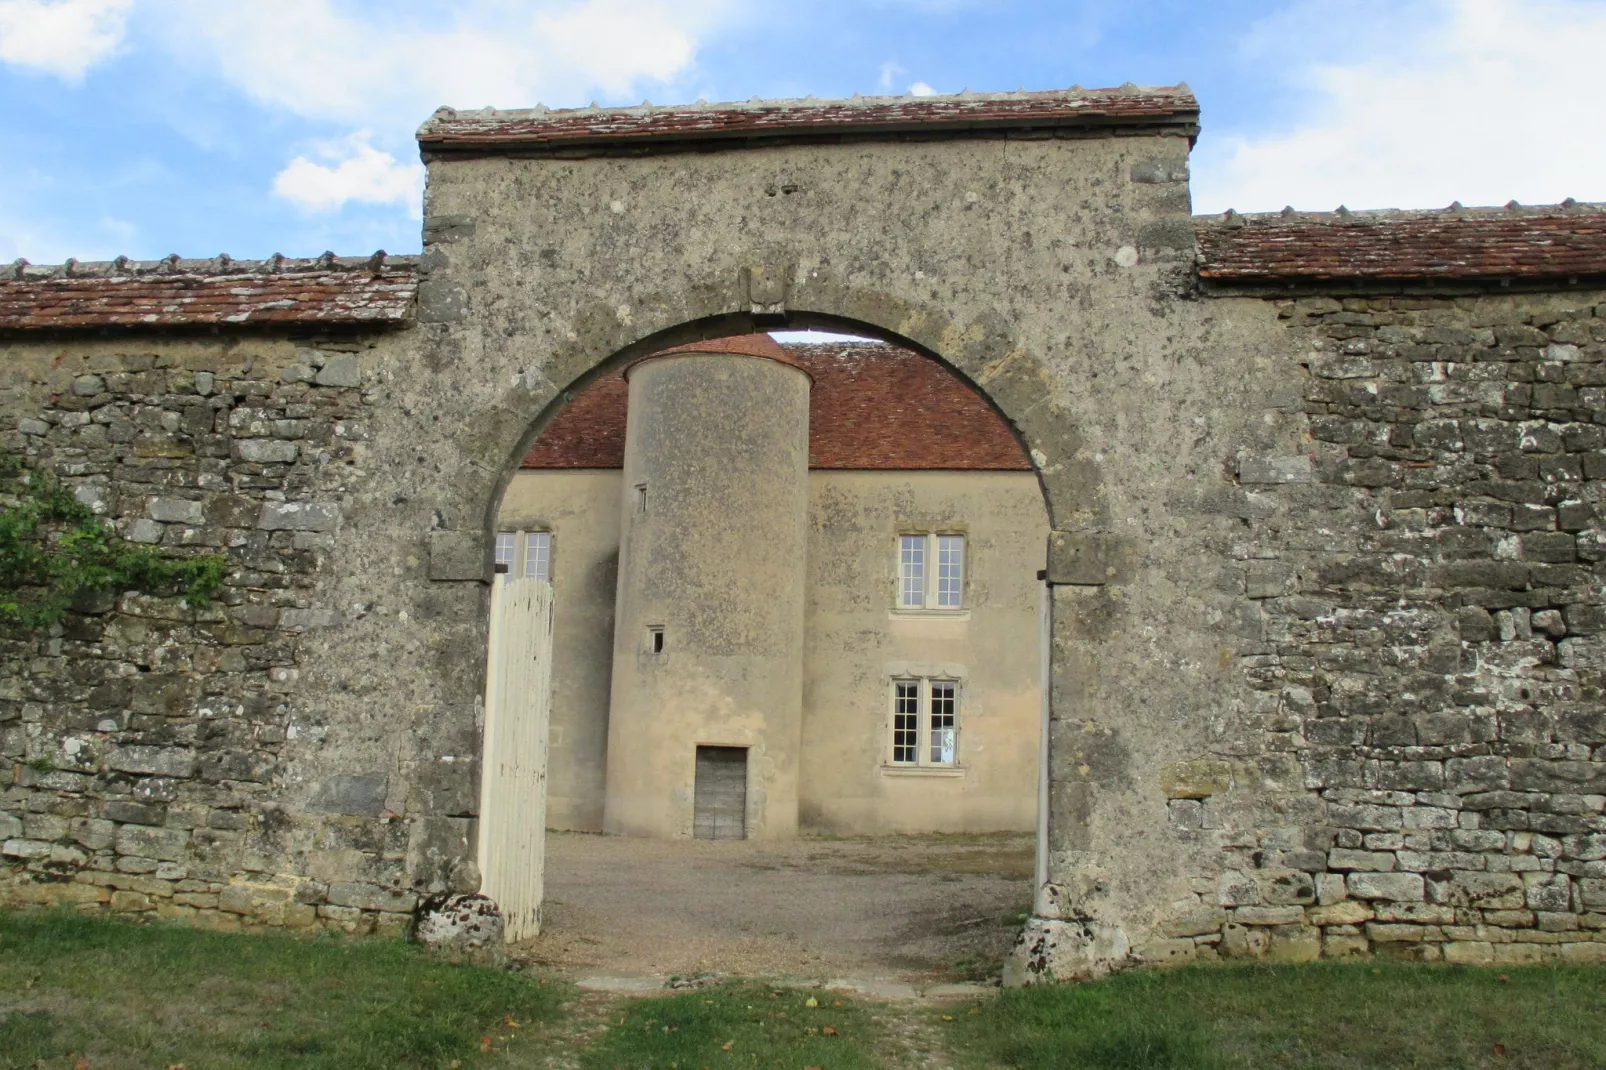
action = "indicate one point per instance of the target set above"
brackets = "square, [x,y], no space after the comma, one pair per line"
[921,89]
[382,66]
[60,37]
[381,69]
[352,170]
[890,70]
[1481,101]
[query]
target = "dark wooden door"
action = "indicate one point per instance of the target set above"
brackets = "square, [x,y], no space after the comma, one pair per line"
[719,806]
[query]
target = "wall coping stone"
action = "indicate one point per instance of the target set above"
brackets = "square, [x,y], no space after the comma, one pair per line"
[735,124]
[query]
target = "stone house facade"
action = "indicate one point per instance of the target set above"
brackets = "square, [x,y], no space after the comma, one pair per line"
[918,708]
[1324,637]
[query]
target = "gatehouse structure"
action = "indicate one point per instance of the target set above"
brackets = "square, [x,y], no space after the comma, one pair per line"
[1324,616]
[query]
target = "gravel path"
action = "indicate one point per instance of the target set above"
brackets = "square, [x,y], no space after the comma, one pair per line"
[909,909]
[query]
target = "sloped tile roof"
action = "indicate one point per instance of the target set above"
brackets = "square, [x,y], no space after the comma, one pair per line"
[872,406]
[376,290]
[539,128]
[1456,243]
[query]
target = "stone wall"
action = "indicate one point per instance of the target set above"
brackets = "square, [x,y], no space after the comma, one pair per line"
[1325,651]
[1419,766]
[157,755]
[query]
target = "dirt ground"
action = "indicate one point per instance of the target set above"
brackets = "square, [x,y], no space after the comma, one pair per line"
[910,909]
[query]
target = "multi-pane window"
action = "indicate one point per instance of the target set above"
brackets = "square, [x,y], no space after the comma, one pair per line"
[905,722]
[524,553]
[920,587]
[507,544]
[912,571]
[940,723]
[950,570]
[925,722]
[538,554]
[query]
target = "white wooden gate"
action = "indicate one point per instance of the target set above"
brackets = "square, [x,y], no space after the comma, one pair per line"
[518,704]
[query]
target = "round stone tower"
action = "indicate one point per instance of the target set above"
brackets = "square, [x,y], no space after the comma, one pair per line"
[705,715]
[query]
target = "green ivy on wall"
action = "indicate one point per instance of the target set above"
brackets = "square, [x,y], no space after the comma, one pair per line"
[55,550]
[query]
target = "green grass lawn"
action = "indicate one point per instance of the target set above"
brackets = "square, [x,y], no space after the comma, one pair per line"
[110,994]
[1328,1015]
[736,1027]
[123,995]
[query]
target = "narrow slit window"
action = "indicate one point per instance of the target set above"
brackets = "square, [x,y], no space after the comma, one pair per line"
[950,571]
[655,639]
[912,571]
[641,498]
[538,555]
[943,703]
[906,722]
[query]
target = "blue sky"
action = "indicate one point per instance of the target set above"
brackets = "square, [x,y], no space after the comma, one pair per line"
[146,127]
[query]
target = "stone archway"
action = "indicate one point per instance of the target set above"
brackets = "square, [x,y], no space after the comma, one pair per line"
[1045,271]
[858,500]
[1247,454]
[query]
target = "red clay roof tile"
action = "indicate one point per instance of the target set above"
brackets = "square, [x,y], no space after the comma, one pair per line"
[872,406]
[177,293]
[1452,244]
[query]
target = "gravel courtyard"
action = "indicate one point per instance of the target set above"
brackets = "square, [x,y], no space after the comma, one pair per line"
[915,909]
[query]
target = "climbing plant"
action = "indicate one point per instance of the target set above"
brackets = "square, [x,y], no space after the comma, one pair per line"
[54,550]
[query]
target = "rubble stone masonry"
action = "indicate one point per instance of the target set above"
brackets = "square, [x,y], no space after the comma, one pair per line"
[1421,767]
[1326,497]
[148,746]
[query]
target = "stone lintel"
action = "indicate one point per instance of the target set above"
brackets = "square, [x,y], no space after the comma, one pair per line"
[1084,559]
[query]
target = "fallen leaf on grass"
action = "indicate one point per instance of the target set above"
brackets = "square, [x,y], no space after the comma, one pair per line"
[811,1002]
[1503,979]
[947,1017]
[836,1003]
[485,1044]
[81,1064]
[728,1045]
[507,1020]
[829,1031]
[1499,1049]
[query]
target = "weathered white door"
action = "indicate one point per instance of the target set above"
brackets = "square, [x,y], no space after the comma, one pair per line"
[518,701]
